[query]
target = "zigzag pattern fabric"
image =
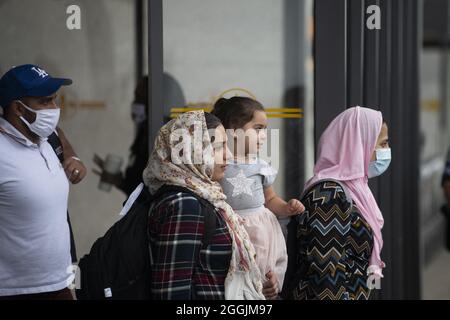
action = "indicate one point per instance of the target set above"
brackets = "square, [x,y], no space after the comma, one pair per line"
[333,247]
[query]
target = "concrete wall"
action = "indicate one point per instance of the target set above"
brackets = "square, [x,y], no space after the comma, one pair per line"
[100,59]
[211,46]
[435,143]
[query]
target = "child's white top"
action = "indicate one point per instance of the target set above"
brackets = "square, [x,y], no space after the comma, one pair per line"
[244,184]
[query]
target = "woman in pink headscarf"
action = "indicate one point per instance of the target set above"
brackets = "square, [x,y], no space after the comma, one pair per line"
[335,246]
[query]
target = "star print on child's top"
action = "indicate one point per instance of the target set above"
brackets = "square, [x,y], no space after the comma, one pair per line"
[241,184]
[246,182]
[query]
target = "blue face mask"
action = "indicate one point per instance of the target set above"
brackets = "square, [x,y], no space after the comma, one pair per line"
[380,165]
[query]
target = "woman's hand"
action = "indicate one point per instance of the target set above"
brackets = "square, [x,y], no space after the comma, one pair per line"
[294,207]
[270,287]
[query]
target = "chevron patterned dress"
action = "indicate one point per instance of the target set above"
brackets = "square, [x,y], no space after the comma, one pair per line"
[332,247]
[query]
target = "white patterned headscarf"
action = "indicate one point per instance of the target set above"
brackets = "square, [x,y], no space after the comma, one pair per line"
[183,155]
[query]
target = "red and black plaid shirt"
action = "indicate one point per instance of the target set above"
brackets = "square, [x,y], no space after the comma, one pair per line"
[181,268]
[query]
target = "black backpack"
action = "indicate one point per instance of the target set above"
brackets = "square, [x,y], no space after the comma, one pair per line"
[118,266]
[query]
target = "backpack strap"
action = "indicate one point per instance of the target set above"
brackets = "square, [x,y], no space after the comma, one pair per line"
[209,216]
[132,199]
[55,143]
[209,227]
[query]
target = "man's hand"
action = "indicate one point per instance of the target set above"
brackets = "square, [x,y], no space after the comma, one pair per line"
[270,287]
[75,169]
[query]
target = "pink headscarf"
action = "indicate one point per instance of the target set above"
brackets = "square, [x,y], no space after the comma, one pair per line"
[344,153]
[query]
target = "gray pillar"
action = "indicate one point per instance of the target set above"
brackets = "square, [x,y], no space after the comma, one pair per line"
[330,55]
[155,68]
[378,69]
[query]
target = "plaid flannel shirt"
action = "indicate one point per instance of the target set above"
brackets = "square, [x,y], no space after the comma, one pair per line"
[181,268]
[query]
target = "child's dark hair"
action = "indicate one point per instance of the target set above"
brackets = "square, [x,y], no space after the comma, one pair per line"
[235,112]
[212,121]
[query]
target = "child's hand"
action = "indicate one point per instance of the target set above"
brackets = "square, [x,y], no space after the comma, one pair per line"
[270,286]
[294,207]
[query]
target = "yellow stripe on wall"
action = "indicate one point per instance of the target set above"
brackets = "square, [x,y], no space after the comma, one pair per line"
[207,109]
[287,113]
[286,116]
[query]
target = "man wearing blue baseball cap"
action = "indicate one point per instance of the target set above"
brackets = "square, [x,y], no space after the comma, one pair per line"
[35,259]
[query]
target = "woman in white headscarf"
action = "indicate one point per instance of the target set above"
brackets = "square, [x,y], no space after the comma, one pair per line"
[186,155]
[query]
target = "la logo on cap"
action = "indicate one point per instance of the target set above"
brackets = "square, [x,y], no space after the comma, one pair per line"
[40,72]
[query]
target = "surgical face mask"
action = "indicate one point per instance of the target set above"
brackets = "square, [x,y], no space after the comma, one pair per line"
[138,113]
[380,165]
[45,123]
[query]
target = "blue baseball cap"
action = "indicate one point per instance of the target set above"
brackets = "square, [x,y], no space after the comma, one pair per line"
[28,81]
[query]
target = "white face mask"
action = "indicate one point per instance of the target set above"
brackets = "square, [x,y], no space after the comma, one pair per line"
[45,123]
[380,165]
